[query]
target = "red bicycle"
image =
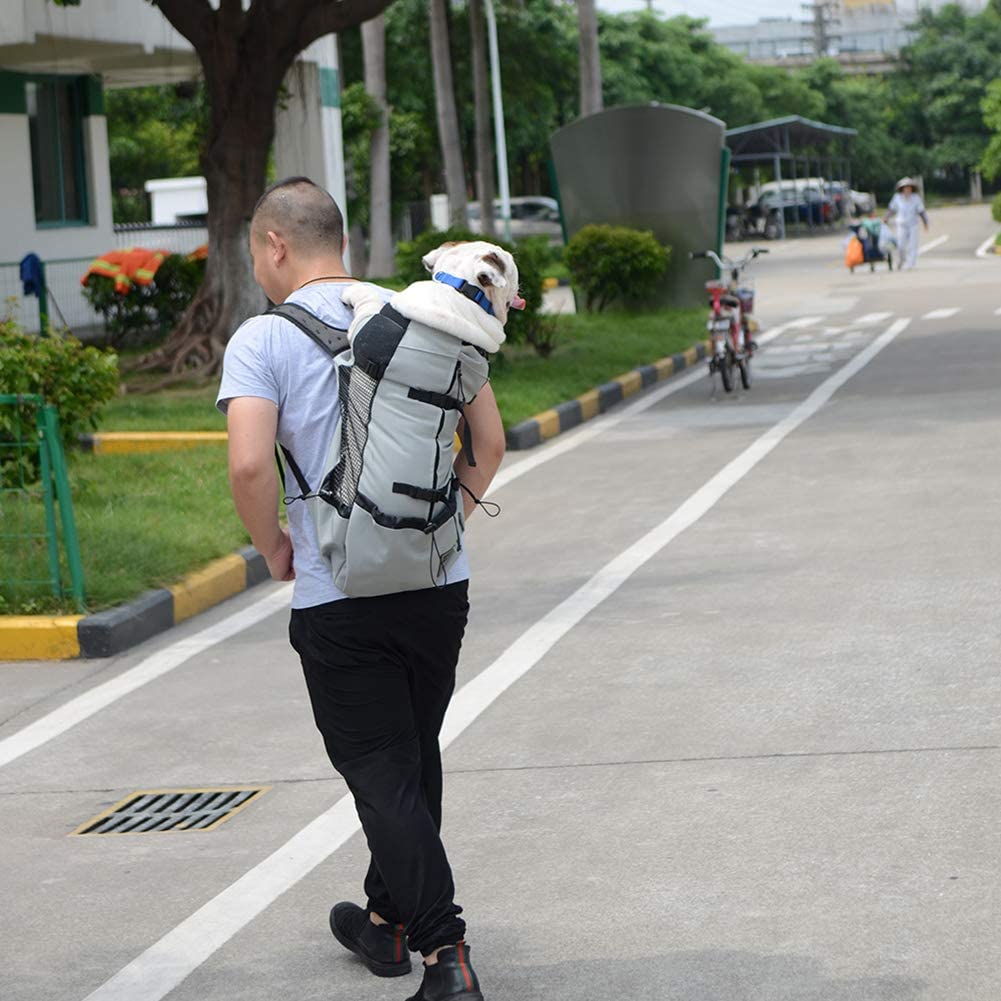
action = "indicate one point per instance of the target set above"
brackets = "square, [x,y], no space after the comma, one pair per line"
[731,303]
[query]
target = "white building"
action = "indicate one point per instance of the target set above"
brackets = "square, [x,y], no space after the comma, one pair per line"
[857,29]
[55,186]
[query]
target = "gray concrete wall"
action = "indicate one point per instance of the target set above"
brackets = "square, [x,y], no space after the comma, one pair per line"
[650,166]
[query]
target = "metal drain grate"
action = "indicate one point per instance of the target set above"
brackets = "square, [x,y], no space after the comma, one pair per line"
[152,811]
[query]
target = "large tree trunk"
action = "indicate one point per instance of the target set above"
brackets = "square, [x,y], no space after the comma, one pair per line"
[245,54]
[484,129]
[448,120]
[380,251]
[590,62]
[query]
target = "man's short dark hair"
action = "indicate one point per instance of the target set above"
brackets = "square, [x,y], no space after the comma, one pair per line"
[302,213]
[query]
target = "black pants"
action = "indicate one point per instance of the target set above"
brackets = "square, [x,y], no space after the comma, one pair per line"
[380,673]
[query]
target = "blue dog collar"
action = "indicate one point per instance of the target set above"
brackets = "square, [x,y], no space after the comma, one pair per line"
[468,289]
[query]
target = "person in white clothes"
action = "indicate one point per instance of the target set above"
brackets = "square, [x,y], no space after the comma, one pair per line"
[906,208]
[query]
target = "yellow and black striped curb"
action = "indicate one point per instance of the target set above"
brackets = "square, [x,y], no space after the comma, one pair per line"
[550,423]
[48,637]
[147,441]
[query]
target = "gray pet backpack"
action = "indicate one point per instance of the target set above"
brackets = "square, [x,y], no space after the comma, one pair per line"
[388,514]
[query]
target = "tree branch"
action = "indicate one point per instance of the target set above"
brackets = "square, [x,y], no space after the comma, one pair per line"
[318,19]
[192,18]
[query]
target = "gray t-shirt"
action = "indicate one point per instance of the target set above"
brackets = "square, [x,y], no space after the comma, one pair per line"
[271,358]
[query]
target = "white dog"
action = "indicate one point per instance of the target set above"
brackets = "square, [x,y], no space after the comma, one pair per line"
[472,288]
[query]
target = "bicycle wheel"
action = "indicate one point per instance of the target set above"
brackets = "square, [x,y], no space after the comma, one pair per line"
[724,365]
[745,372]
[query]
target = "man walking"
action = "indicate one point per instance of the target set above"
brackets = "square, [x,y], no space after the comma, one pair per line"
[907,208]
[380,671]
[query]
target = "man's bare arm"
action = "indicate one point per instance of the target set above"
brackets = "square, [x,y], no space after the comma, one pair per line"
[484,422]
[253,479]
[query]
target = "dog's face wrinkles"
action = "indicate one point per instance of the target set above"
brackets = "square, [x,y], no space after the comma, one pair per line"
[485,265]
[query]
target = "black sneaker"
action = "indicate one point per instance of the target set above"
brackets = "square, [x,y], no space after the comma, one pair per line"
[382,948]
[450,979]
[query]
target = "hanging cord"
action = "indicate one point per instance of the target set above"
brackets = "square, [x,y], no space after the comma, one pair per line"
[490,508]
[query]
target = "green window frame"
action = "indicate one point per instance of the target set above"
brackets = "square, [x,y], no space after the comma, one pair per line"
[56,106]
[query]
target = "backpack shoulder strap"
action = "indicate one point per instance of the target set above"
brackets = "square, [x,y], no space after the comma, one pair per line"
[332,339]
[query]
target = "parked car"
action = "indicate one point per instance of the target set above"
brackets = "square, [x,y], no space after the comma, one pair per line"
[849,201]
[531,215]
[807,202]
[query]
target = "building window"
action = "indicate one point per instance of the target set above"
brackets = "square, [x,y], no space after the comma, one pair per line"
[58,165]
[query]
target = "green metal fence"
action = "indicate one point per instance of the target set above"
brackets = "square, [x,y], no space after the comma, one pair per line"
[39,552]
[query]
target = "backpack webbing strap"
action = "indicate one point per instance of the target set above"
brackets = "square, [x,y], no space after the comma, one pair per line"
[296,473]
[332,339]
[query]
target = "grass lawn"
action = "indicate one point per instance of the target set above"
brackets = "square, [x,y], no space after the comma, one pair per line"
[143,521]
[147,520]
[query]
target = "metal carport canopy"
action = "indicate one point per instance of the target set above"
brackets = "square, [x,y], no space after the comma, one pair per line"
[781,137]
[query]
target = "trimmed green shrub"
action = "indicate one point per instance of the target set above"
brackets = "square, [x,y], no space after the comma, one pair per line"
[996,207]
[78,380]
[146,312]
[531,256]
[611,262]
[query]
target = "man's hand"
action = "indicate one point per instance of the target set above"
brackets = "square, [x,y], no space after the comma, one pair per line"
[280,563]
[253,479]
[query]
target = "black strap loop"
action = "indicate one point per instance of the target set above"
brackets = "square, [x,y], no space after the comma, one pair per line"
[490,508]
[296,473]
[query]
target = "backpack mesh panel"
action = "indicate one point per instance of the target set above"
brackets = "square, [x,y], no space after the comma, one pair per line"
[354,436]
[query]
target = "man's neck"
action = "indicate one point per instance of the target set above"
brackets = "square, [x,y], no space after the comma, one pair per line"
[316,272]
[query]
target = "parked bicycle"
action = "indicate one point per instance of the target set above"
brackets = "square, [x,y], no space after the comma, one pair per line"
[730,324]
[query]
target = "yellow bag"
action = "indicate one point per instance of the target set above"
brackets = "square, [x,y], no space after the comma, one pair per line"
[854,253]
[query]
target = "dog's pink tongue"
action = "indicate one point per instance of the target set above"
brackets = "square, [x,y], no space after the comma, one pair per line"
[517,302]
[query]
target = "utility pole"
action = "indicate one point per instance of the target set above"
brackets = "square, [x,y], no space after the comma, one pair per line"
[824,15]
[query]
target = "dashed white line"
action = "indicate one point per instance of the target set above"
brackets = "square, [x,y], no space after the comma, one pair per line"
[873,318]
[942,314]
[985,249]
[165,964]
[931,246]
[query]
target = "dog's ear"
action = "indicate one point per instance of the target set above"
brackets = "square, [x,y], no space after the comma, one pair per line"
[430,258]
[491,272]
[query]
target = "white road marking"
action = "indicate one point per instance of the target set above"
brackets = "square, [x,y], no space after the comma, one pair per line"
[931,246]
[60,720]
[873,318]
[997,312]
[572,439]
[166,963]
[76,710]
[942,314]
[985,249]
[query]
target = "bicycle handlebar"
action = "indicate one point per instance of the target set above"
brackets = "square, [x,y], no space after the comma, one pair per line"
[726,263]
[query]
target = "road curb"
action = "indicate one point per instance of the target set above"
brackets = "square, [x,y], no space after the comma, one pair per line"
[570,414]
[103,634]
[107,442]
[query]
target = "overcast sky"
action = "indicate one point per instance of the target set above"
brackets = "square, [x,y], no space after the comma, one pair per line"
[718,12]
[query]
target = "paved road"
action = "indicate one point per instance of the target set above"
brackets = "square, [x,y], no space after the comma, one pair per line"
[730,727]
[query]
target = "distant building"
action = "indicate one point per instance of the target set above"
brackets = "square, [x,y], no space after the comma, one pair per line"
[864,35]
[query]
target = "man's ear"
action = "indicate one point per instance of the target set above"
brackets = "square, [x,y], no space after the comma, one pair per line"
[490,272]
[276,247]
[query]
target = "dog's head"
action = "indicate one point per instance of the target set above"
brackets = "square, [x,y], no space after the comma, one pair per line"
[484,265]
